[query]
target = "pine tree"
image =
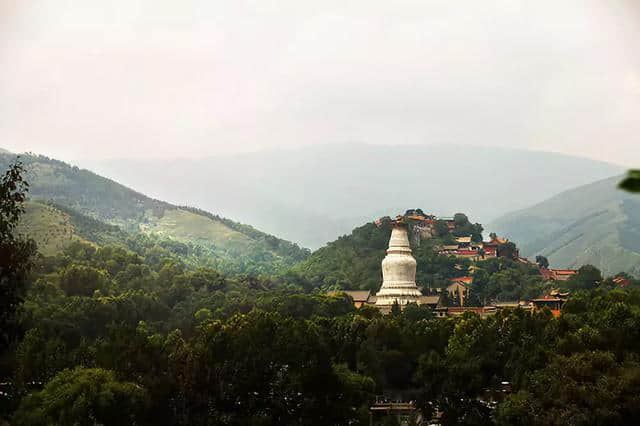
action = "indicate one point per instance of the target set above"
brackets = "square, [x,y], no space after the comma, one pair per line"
[16,252]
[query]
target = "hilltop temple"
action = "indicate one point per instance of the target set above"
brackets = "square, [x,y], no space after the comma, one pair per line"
[399,282]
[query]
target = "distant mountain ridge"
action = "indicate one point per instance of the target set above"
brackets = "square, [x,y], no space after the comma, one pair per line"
[64,198]
[593,224]
[313,195]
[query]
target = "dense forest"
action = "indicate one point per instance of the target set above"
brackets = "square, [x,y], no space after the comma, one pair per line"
[142,332]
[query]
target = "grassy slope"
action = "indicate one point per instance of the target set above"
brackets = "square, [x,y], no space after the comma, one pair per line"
[51,228]
[187,226]
[595,224]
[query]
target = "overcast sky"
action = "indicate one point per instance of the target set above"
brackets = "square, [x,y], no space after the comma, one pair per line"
[107,79]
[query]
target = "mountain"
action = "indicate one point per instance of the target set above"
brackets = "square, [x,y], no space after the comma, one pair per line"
[70,204]
[593,224]
[315,194]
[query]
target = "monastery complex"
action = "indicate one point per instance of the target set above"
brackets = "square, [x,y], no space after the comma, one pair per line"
[399,275]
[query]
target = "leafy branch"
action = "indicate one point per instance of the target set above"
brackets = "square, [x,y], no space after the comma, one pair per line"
[631,183]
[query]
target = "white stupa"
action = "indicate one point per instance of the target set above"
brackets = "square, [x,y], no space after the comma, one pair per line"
[398,271]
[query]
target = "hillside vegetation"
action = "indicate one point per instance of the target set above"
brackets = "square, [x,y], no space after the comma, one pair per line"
[70,204]
[54,227]
[188,226]
[350,262]
[86,192]
[165,344]
[593,224]
[51,228]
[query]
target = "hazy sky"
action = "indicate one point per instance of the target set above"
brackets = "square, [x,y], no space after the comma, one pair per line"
[162,78]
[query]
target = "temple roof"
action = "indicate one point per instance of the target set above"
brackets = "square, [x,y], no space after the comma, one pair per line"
[358,295]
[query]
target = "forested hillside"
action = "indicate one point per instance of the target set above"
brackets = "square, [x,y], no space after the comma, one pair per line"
[86,192]
[80,205]
[594,224]
[147,329]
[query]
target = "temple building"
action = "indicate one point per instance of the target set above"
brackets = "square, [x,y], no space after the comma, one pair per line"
[398,272]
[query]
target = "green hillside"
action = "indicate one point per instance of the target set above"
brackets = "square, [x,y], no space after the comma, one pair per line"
[353,261]
[593,224]
[96,209]
[350,262]
[55,227]
[86,192]
[188,226]
[49,227]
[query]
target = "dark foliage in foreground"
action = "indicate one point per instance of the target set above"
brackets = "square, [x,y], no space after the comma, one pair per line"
[16,253]
[173,345]
[631,182]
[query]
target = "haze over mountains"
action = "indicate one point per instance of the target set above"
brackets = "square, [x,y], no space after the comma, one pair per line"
[313,195]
